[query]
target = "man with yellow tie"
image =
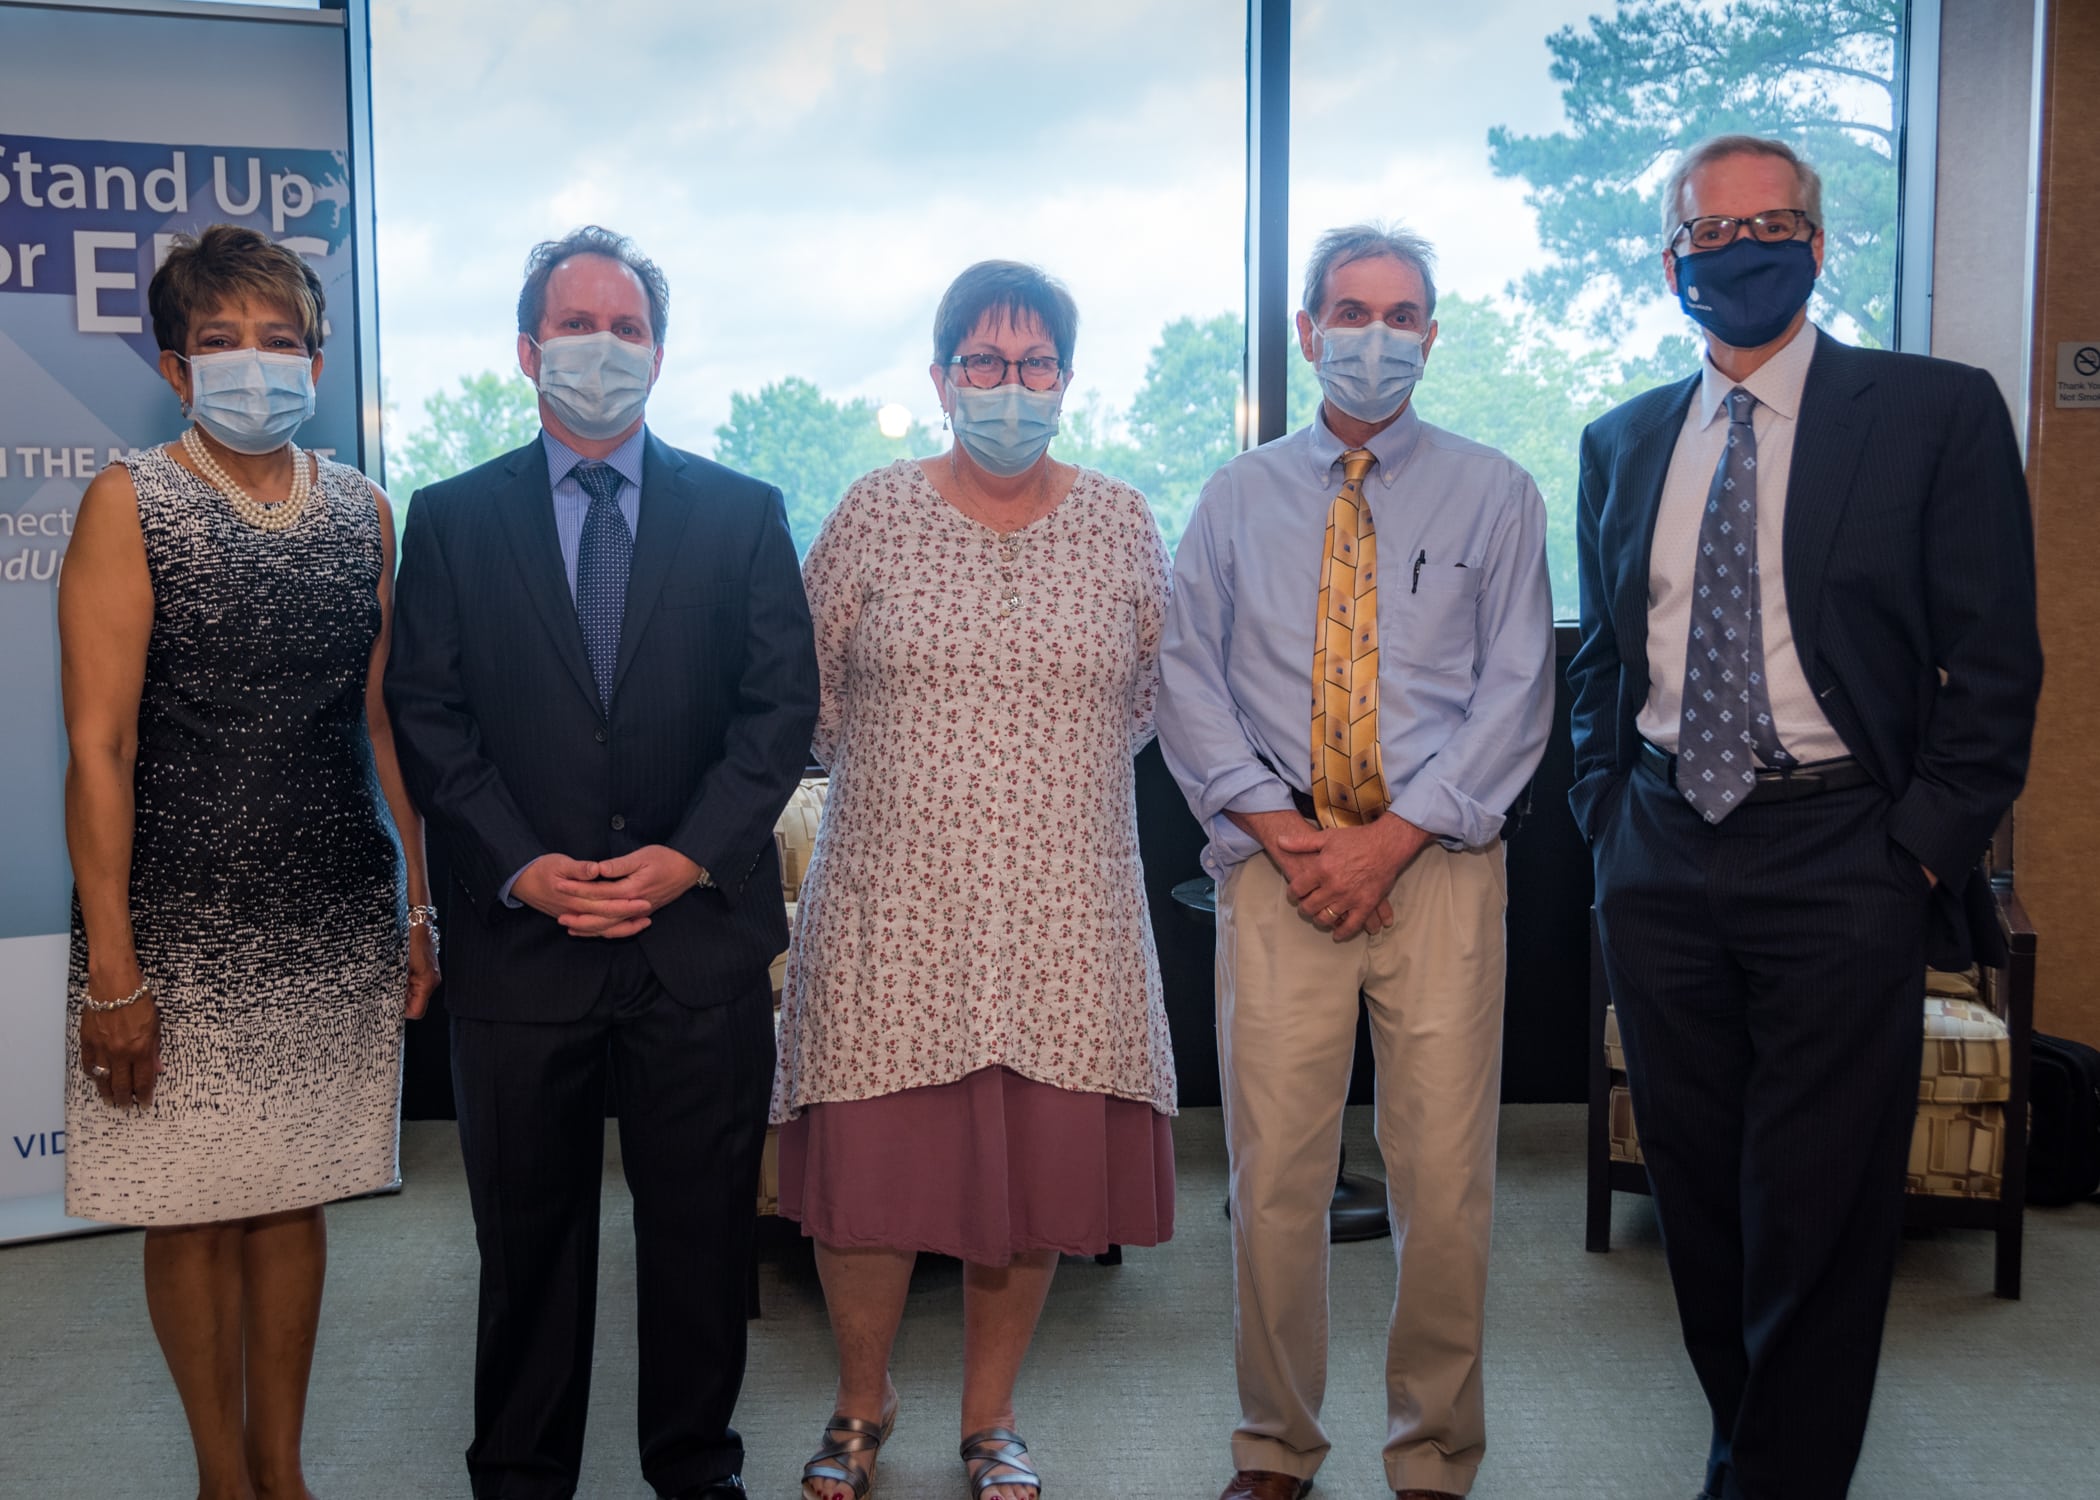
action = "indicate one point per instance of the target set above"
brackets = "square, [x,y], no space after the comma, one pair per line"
[1392,576]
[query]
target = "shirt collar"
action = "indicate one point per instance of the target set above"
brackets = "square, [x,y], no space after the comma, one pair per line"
[1776,383]
[562,459]
[1390,447]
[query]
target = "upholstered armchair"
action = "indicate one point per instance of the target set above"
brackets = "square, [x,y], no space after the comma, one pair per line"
[1968,1151]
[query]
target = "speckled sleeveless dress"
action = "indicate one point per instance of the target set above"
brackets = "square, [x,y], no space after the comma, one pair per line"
[266,887]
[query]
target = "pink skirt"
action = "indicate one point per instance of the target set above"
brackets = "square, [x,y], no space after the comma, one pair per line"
[983,1169]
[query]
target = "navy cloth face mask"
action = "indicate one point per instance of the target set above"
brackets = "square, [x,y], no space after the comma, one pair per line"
[1746,293]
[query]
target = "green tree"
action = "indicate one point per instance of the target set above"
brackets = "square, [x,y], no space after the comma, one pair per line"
[793,435]
[1088,434]
[1641,85]
[492,414]
[1497,378]
[1184,418]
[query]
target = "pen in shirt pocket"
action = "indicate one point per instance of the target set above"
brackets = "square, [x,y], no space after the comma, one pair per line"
[1421,562]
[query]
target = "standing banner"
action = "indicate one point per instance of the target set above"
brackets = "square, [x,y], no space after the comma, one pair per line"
[121,126]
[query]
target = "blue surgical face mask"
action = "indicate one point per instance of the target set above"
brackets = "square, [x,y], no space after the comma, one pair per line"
[597,383]
[1746,293]
[1005,429]
[251,400]
[1369,372]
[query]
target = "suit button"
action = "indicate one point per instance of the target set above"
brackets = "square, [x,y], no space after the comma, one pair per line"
[598,735]
[618,822]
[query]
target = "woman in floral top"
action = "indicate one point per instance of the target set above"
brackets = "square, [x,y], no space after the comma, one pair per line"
[974,1055]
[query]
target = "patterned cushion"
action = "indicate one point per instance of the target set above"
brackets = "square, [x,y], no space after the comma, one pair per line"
[1962,986]
[1625,1139]
[1614,1049]
[796,832]
[1957,1151]
[1957,1146]
[1968,1054]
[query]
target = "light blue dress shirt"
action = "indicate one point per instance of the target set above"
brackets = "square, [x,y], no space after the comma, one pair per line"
[572,504]
[1465,632]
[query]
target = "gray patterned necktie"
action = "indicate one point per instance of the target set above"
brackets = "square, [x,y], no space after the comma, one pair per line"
[1727,705]
[603,559]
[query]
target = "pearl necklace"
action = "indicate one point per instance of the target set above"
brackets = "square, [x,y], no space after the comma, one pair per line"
[262,517]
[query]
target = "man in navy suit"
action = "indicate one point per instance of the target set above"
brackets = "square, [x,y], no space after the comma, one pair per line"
[602,683]
[1803,702]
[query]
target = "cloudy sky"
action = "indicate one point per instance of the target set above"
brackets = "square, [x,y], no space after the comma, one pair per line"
[811,173]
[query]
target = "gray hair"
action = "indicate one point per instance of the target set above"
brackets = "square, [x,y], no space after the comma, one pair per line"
[1716,147]
[1373,241]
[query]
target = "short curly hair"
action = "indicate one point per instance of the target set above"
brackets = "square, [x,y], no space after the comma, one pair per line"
[223,264]
[591,239]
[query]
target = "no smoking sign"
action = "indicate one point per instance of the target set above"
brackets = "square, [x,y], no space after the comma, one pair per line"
[2078,373]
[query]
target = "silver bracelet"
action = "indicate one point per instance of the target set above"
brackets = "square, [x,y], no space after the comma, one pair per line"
[424,916]
[89,1002]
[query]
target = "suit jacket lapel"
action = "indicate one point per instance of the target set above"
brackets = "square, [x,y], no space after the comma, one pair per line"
[1829,437]
[667,505]
[527,509]
[1650,447]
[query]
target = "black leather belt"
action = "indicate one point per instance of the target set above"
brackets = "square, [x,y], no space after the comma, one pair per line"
[1789,785]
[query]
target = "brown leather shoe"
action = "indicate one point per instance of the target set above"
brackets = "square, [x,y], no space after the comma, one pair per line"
[1266,1484]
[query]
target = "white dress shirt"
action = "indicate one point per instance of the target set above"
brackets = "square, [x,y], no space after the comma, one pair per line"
[1777,384]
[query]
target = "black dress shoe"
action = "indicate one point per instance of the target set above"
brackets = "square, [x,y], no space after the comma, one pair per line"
[731,1488]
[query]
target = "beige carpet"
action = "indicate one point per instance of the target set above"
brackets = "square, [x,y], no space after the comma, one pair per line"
[1129,1391]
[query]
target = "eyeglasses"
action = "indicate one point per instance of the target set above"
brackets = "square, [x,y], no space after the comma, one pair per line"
[1039,372]
[1773,226]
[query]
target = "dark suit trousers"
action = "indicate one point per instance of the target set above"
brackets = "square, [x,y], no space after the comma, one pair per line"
[691,1088]
[1768,975]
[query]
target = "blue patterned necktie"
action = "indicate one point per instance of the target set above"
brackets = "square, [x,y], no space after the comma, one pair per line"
[602,562]
[1727,705]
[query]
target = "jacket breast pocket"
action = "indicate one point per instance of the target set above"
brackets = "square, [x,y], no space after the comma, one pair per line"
[1432,624]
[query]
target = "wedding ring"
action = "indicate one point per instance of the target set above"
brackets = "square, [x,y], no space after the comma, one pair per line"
[98,1071]
[1328,913]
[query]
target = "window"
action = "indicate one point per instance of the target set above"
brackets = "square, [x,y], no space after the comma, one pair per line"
[1500,130]
[811,176]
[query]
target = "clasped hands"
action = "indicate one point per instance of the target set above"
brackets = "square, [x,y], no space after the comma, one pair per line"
[1340,878]
[606,898]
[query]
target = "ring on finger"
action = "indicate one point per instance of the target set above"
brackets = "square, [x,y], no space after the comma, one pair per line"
[98,1071]
[1328,913]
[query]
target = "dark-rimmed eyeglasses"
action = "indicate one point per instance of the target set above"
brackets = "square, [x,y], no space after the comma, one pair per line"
[1713,231]
[1039,372]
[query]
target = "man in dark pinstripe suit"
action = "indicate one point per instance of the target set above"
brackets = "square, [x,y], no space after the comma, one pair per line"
[1803,701]
[602,685]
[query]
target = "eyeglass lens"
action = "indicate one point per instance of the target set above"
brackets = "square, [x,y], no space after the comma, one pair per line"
[1039,372]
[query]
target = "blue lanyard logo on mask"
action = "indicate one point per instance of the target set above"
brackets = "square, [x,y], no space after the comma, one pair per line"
[1746,293]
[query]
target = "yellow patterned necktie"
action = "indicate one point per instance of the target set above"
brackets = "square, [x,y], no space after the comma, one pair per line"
[1348,774]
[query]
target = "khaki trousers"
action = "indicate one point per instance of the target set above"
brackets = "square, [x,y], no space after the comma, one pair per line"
[1287,1005]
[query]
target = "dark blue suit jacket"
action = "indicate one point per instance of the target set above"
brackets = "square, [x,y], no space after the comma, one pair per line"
[508,755]
[1909,561]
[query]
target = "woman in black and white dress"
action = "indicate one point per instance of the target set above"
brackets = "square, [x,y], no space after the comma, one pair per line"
[247,933]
